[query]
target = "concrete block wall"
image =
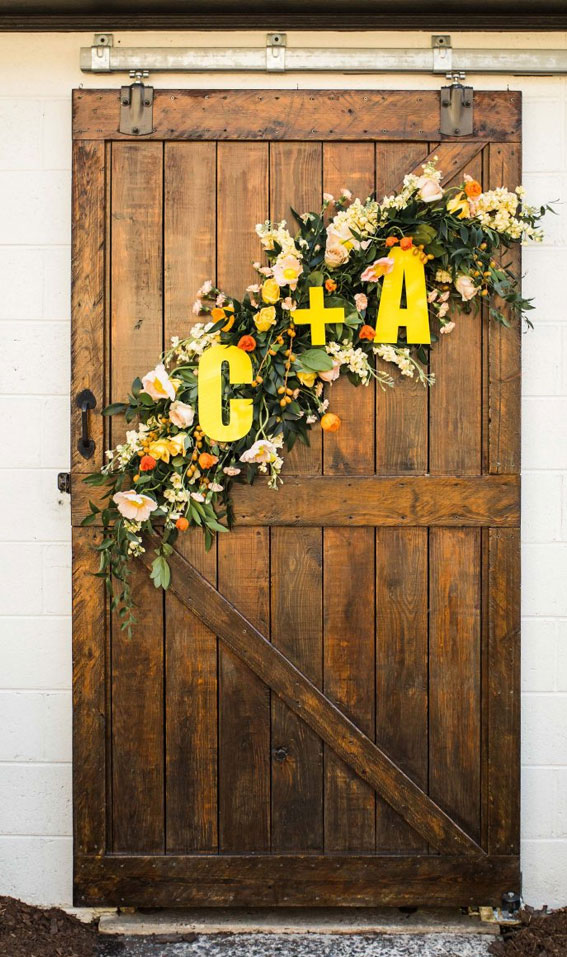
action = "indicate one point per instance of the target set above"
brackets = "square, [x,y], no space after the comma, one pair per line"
[35,603]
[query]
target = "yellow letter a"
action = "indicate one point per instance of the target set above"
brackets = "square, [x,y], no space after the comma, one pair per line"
[211,393]
[415,316]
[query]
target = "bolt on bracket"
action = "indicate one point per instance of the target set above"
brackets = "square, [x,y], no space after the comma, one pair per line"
[275,52]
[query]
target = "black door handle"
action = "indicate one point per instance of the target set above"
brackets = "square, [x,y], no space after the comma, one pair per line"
[85,401]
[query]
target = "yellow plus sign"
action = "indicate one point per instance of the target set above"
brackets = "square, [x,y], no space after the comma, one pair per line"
[317,316]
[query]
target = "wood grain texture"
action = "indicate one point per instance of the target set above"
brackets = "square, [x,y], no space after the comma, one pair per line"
[189,230]
[191,725]
[503,691]
[348,669]
[296,115]
[297,752]
[481,500]
[243,560]
[244,701]
[401,412]
[504,351]
[401,670]
[191,744]
[89,706]
[288,880]
[88,295]
[252,648]
[455,423]
[136,331]
[454,674]
[136,340]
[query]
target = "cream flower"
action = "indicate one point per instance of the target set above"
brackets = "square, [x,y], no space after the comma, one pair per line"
[331,374]
[215,487]
[448,327]
[231,470]
[466,287]
[158,384]
[336,255]
[379,268]
[429,189]
[360,301]
[287,271]
[134,506]
[181,414]
[261,451]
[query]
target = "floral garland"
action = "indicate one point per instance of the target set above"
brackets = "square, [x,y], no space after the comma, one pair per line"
[168,475]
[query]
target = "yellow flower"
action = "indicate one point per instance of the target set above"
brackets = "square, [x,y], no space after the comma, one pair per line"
[264,319]
[459,205]
[176,444]
[270,291]
[307,378]
[159,449]
[228,324]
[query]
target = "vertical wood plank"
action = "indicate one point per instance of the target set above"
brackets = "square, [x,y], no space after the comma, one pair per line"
[401,412]
[348,621]
[189,230]
[401,670]
[243,556]
[350,166]
[297,779]
[348,679]
[137,664]
[504,360]
[454,674]
[191,717]
[297,752]
[295,180]
[244,701]
[190,648]
[89,690]
[503,691]
[87,296]
[455,423]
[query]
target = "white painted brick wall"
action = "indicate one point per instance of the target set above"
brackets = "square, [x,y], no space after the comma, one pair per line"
[35,647]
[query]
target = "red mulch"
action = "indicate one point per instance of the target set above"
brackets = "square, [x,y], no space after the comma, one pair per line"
[27,931]
[541,935]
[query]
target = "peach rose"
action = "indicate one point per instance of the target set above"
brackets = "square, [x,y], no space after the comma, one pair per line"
[134,506]
[181,414]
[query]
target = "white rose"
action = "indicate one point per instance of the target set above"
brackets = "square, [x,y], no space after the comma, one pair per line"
[336,256]
[331,374]
[466,287]
[132,505]
[158,384]
[429,189]
[181,414]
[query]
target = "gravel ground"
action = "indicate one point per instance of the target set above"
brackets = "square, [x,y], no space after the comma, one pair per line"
[304,945]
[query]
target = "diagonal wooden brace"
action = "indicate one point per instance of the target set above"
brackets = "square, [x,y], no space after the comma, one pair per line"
[357,750]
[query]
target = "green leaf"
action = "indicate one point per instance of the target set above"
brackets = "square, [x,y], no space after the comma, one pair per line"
[316,360]
[115,408]
[315,278]
[160,574]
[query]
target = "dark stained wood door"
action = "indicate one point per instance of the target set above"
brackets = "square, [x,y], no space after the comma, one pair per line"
[324,708]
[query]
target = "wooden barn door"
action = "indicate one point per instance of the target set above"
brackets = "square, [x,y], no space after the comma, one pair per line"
[324,708]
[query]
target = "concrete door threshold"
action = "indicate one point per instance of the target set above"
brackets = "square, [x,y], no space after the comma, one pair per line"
[358,920]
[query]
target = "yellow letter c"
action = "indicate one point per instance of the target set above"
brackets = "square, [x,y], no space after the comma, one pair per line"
[211,393]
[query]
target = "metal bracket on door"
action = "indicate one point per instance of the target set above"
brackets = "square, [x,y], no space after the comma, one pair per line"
[456,112]
[137,106]
[275,52]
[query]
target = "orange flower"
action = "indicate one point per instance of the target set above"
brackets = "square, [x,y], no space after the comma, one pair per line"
[406,242]
[392,240]
[147,463]
[217,314]
[473,188]
[330,285]
[367,332]
[206,461]
[248,343]
[330,422]
[182,524]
